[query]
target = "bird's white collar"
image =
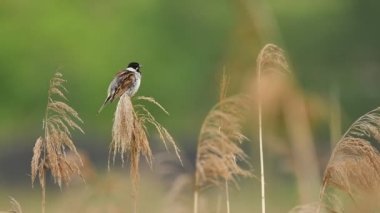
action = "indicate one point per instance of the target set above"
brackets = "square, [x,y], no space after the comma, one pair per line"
[131,69]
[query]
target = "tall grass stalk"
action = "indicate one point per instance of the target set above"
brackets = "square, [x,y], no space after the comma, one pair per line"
[129,136]
[15,206]
[222,95]
[262,174]
[271,61]
[227,197]
[218,151]
[49,152]
[196,195]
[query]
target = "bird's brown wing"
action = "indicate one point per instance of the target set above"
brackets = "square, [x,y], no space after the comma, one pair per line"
[122,81]
[125,80]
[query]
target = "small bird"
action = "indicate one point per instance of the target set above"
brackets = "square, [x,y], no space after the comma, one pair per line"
[126,81]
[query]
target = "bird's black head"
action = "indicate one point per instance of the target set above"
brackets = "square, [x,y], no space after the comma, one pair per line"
[135,66]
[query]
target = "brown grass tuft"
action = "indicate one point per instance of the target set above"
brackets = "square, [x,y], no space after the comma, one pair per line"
[224,84]
[49,152]
[129,135]
[354,167]
[218,144]
[15,206]
[218,152]
[272,59]
[307,208]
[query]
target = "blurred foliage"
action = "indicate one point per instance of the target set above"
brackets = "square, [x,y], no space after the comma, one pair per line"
[183,47]
[178,43]
[334,43]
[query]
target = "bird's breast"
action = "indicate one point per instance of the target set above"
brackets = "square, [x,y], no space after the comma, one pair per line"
[132,90]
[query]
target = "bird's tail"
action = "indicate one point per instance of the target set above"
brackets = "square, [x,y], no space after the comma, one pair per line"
[104,104]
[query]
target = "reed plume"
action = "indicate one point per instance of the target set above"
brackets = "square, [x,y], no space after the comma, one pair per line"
[270,59]
[282,106]
[49,152]
[129,136]
[15,206]
[354,167]
[218,151]
[306,208]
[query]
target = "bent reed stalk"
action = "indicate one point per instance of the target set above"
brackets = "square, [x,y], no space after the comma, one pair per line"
[270,59]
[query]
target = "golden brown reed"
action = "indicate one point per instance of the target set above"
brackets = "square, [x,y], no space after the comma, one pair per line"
[284,115]
[15,206]
[318,207]
[129,129]
[271,59]
[218,145]
[273,83]
[354,167]
[307,208]
[218,152]
[224,85]
[129,135]
[49,152]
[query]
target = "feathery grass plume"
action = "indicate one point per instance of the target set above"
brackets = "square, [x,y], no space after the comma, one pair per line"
[271,58]
[15,206]
[278,97]
[129,136]
[224,83]
[307,208]
[218,152]
[49,152]
[354,167]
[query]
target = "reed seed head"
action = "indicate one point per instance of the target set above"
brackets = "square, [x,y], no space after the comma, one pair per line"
[49,152]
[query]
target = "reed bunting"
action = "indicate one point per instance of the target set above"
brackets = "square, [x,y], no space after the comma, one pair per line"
[126,81]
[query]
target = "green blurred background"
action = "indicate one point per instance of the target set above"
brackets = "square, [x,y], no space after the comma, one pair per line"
[184,46]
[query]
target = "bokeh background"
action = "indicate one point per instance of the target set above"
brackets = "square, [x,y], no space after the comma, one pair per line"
[184,46]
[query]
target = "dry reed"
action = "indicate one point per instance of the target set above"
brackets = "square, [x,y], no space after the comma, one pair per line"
[218,151]
[306,208]
[282,106]
[15,206]
[49,152]
[271,58]
[354,167]
[129,136]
